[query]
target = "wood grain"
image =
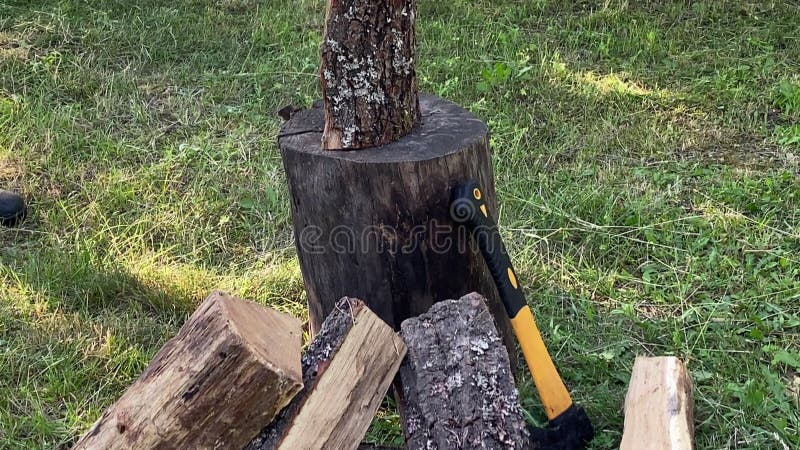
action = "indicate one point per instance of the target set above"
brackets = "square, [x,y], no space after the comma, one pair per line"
[346,372]
[659,409]
[231,368]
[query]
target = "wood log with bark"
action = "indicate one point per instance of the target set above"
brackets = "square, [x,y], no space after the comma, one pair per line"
[231,368]
[376,224]
[347,370]
[458,391]
[369,83]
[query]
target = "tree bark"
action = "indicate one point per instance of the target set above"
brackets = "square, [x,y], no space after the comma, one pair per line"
[347,370]
[369,83]
[233,365]
[376,224]
[458,391]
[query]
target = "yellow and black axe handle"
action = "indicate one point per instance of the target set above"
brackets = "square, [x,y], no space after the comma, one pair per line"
[469,207]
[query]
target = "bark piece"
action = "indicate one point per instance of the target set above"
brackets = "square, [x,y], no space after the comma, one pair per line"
[368,79]
[458,391]
[231,368]
[376,224]
[347,370]
[659,408]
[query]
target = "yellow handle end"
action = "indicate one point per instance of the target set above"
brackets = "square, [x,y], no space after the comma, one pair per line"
[554,394]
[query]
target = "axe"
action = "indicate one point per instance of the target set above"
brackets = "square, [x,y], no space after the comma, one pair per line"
[569,428]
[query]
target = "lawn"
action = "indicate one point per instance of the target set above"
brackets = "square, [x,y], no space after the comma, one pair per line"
[646,156]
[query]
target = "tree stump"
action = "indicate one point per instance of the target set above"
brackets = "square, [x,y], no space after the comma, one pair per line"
[375,224]
[369,82]
[232,367]
[458,390]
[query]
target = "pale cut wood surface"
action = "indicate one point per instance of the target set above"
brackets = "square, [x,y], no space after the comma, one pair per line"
[347,370]
[659,408]
[231,368]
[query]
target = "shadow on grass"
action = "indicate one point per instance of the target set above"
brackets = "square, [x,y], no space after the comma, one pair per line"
[74,281]
[73,336]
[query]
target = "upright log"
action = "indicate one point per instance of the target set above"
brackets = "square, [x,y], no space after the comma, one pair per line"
[369,83]
[458,391]
[375,224]
[232,367]
[347,370]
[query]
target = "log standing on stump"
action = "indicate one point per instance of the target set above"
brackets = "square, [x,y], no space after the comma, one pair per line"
[368,79]
[372,223]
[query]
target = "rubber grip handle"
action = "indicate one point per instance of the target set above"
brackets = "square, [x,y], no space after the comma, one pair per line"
[469,208]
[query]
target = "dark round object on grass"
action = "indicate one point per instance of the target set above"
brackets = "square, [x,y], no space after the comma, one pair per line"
[12,208]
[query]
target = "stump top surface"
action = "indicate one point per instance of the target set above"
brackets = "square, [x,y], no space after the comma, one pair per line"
[446,128]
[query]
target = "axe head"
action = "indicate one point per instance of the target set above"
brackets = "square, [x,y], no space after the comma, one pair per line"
[571,430]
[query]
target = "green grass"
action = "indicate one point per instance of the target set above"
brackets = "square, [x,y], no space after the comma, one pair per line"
[646,157]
